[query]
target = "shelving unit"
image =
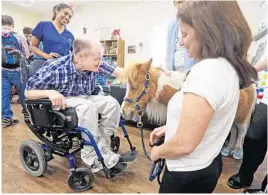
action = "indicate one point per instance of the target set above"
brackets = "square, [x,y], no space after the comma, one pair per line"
[114,51]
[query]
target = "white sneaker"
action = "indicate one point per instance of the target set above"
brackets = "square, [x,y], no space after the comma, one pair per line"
[110,158]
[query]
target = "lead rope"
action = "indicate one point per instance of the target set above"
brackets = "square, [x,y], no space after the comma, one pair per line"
[140,126]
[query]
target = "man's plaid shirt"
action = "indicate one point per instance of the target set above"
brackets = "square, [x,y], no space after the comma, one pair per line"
[62,76]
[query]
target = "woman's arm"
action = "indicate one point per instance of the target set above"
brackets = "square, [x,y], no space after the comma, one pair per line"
[35,49]
[262,65]
[195,116]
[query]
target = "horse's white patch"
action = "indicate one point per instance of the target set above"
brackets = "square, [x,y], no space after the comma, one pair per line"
[156,111]
[175,80]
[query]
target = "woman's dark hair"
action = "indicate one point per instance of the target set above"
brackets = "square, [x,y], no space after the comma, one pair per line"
[222,31]
[59,7]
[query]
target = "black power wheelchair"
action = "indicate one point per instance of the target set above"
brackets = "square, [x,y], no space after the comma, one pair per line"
[60,134]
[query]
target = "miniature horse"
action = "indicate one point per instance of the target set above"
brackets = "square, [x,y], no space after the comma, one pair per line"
[150,89]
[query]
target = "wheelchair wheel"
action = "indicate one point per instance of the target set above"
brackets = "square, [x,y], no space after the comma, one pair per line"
[115,144]
[32,157]
[81,179]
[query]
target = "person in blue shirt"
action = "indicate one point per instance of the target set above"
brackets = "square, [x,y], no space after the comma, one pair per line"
[57,40]
[177,57]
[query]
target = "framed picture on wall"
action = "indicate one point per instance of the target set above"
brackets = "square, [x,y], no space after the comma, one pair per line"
[131,49]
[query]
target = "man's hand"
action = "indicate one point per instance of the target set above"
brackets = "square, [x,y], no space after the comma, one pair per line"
[167,72]
[262,65]
[57,99]
[118,72]
[157,132]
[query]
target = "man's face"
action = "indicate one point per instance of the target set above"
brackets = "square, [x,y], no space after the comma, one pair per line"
[28,37]
[92,61]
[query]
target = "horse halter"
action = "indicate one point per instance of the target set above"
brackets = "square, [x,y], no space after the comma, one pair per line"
[135,102]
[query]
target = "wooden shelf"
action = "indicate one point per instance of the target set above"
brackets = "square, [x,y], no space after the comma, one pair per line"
[110,40]
[115,51]
[110,55]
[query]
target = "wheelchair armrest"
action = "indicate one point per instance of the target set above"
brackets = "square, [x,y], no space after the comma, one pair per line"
[62,118]
[44,101]
[97,90]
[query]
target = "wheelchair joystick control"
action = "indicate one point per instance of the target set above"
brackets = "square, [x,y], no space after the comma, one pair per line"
[75,142]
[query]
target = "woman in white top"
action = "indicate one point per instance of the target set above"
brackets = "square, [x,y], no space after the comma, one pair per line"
[200,116]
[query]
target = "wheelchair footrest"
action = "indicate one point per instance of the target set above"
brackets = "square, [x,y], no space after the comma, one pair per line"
[128,156]
[118,169]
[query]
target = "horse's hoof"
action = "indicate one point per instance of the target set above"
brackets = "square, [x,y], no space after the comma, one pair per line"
[225,151]
[238,154]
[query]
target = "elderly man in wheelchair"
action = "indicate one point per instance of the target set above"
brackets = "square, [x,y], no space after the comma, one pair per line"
[65,116]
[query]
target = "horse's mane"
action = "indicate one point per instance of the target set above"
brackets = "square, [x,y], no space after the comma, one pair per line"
[132,72]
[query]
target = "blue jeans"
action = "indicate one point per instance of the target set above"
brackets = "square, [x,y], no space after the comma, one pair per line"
[9,78]
[29,70]
[21,90]
[34,66]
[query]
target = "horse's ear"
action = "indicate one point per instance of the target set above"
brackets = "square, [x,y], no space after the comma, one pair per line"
[147,65]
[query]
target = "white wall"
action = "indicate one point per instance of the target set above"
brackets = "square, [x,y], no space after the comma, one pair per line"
[139,21]
[255,12]
[22,17]
[144,22]
[135,19]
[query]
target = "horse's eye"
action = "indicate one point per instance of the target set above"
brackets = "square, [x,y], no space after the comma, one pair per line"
[133,87]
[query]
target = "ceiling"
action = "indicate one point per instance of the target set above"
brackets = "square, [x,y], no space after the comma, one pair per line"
[43,7]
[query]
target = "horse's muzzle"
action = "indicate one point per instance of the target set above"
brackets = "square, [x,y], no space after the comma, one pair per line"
[127,114]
